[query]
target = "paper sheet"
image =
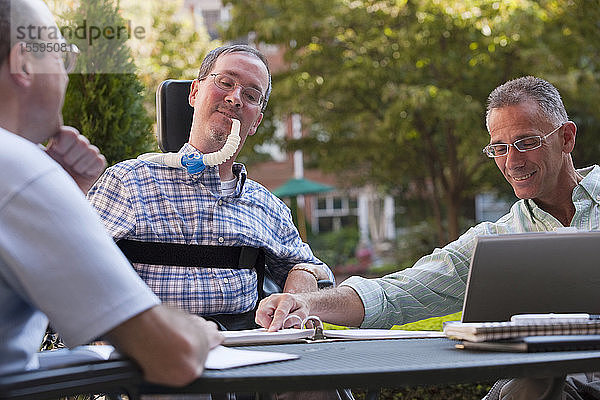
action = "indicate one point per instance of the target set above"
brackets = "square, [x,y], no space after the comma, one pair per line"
[222,357]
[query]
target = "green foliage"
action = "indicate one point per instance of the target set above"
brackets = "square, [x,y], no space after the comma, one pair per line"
[106,107]
[473,391]
[576,40]
[255,148]
[395,90]
[174,47]
[335,248]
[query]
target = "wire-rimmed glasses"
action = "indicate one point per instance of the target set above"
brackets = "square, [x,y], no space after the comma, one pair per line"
[68,51]
[250,95]
[523,145]
[69,57]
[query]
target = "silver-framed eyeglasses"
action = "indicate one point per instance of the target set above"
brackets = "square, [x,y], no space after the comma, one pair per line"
[523,145]
[69,56]
[68,51]
[224,82]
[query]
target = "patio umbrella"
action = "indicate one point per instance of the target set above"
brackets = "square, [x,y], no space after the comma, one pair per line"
[301,186]
[297,186]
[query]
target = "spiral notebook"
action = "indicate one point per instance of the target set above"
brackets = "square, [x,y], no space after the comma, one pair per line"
[545,272]
[486,331]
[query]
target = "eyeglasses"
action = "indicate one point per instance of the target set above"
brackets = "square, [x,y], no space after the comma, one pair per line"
[249,95]
[69,57]
[68,51]
[523,145]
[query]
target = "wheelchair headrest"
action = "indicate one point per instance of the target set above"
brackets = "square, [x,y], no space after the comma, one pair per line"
[173,114]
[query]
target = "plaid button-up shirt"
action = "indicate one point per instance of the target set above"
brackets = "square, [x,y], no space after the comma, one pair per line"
[151,202]
[435,285]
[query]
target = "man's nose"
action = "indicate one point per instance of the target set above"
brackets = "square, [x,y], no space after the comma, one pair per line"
[514,157]
[235,96]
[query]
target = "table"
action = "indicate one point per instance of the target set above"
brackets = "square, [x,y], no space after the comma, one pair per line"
[111,377]
[328,365]
[385,363]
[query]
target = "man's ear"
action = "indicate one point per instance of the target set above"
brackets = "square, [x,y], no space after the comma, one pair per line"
[254,127]
[569,133]
[20,65]
[193,92]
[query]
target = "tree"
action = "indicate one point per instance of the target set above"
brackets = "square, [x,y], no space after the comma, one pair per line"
[173,49]
[395,90]
[576,41]
[104,97]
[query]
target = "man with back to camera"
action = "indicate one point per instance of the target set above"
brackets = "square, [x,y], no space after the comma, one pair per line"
[54,251]
[219,206]
[531,140]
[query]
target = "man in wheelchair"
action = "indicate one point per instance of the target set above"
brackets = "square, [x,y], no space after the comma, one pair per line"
[211,211]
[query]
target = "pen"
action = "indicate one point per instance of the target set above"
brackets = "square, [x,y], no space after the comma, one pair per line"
[552,317]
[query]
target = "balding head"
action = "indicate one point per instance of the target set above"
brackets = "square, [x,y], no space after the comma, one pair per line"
[32,82]
[18,19]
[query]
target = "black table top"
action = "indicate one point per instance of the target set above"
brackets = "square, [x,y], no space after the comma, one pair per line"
[322,365]
[386,363]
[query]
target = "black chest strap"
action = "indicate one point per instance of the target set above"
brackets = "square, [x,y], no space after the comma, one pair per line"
[195,255]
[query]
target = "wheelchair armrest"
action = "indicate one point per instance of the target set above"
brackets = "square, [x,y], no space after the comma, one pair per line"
[324,283]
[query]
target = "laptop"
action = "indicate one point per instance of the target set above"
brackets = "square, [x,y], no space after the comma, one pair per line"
[533,273]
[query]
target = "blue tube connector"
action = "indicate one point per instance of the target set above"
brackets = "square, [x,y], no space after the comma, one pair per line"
[194,162]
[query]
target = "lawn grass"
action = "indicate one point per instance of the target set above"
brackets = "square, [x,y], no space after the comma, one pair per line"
[429,324]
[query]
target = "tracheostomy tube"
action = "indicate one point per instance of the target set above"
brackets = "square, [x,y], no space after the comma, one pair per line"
[197,162]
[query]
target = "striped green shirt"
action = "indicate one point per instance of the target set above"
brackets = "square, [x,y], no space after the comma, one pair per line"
[435,285]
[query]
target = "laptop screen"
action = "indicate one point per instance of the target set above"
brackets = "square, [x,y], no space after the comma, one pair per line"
[533,273]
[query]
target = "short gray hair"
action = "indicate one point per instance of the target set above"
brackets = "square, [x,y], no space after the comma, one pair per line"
[516,91]
[211,59]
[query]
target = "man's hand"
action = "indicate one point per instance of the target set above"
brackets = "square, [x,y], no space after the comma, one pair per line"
[273,310]
[340,306]
[169,345]
[210,332]
[77,156]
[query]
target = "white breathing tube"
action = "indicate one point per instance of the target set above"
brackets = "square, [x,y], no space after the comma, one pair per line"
[197,162]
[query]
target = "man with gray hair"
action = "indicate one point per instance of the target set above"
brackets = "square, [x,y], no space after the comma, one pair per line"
[531,140]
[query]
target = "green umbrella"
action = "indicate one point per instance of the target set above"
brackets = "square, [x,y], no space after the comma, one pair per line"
[296,187]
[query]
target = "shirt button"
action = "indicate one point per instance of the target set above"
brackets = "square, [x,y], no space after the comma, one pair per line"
[226,280]
[221,240]
[220,202]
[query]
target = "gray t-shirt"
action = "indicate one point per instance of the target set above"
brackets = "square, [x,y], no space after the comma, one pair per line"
[56,260]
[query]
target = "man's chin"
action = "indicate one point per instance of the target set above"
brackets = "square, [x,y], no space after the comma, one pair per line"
[219,137]
[524,194]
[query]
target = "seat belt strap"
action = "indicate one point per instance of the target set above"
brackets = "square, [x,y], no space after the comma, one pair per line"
[189,255]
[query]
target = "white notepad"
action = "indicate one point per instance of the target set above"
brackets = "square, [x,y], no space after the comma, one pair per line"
[218,358]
